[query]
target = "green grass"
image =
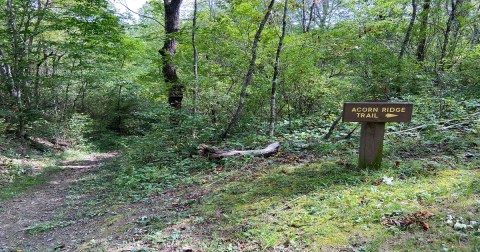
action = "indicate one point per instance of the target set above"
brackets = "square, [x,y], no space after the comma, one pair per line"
[326,204]
[47,226]
[322,206]
[23,184]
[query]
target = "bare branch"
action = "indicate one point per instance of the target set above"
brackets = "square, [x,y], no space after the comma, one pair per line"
[139,14]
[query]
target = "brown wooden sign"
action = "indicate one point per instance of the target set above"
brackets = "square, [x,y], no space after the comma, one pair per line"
[373,116]
[377,112]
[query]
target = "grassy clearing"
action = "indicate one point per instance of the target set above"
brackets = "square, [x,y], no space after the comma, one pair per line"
[321,207]
[316,199]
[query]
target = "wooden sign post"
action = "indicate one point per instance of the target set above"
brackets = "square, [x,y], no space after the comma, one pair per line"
[373,116]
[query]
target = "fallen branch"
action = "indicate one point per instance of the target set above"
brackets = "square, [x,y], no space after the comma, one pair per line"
[351,132]
[214,152]
[332,127]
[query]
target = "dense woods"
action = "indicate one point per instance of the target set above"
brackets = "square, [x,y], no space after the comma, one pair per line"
[237,75]
[61,58]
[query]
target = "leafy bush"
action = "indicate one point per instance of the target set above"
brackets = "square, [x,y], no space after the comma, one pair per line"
[165,155]
[77,130]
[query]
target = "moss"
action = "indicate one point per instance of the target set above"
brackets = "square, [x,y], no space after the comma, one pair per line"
[323,205]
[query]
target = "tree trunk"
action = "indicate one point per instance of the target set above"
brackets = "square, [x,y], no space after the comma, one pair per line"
[304,17]
[310,16]
[446,35]
[250,71]
[273,100]
[409,30]
[422,44]
[172,26]
[323,19]
[195,58]
[476,32]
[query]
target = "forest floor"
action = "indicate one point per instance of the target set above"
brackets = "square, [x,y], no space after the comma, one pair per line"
[46,217]
[426,197]
[59,208]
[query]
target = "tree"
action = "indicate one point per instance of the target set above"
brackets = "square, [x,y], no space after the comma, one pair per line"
[195,56]
[249,75]
[409,30]
[172,26]
[23,20]
[422,44]
[273,99]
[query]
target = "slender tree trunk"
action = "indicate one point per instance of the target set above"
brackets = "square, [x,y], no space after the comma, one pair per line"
[310,17]
[446,35]
[172,26]
[195,58]
[422,44]
[273,100]
[460,14]
[211,6]
[13,24]
[476,35]
[332,127]
[304,17]
[476,32]
[251,68]
[441,68]
[323,20]
[409,30]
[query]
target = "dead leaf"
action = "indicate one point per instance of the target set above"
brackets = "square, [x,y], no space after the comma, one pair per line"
[424,225]
[408,220]
[423,214]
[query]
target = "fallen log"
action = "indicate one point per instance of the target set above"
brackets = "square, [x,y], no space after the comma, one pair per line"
[214,152]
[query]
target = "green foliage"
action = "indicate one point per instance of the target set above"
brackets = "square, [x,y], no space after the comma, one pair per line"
[47,226]
[77,130]
[164,156]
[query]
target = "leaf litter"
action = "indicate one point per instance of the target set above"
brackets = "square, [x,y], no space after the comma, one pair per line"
[405,221]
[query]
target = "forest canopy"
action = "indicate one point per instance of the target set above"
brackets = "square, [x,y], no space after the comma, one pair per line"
[61,58]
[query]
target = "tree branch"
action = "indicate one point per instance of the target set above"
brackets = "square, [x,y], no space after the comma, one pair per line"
[139,14]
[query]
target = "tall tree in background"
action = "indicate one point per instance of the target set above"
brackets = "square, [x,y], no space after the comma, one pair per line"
[195,56]
[409,30]
[249,75]
[276,69]
[172,26]
[23,20]
[422,44]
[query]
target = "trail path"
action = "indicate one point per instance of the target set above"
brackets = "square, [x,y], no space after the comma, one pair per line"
[48,206]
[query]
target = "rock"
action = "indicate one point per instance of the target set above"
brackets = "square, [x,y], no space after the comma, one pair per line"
[388,180]
[449,223]
[459,226]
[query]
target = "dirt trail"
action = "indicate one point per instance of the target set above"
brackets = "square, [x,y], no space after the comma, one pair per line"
[47,207]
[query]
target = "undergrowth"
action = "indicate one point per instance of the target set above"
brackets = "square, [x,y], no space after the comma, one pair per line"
[311,196]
